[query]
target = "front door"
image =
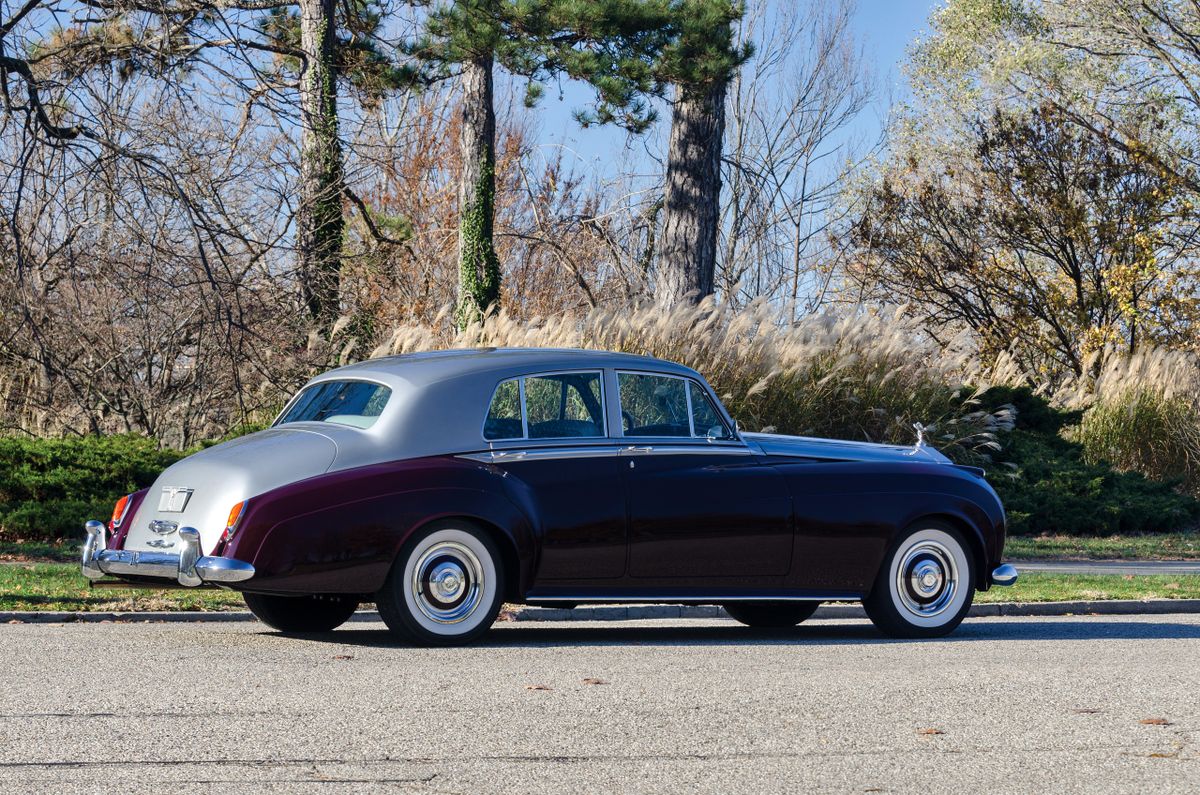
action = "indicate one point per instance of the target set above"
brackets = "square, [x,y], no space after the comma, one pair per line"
[701,505]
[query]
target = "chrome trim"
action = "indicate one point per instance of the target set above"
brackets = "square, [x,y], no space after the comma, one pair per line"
[188,556]
[927,579]
[163,526]
[92,548]
[189,568]
[447,582]
[706,448]
[1004,574]
[549,454]
[702,599]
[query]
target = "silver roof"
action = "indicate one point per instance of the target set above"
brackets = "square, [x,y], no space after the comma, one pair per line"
[491,364]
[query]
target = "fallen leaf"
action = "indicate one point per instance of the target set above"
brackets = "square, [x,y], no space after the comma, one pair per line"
[343,656]
[929,732]
[1154,722]
[506,615]
[1158,755]
[592,681]
[538,687]
[1086,711]
[15,621]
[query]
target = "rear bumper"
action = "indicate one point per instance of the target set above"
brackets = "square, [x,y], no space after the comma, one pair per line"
[188,568]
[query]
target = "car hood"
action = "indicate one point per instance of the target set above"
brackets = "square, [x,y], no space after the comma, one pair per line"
[839,450]
[209,483]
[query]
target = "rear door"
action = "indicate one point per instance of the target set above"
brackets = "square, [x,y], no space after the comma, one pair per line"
[549,432]
[702,506]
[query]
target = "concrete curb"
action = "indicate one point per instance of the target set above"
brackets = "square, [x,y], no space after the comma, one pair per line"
[1116,607]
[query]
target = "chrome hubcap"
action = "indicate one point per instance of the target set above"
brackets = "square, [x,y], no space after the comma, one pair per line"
[927,578]
[447,582]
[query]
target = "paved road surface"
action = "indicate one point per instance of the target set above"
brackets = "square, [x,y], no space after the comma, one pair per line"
[1007,704]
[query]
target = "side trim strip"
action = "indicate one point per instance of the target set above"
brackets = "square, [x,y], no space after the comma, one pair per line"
[704,599]
[552,453]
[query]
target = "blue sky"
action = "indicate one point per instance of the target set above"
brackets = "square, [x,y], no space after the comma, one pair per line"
[885,27]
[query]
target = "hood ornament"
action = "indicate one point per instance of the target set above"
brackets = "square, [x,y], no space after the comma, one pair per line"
[920,436]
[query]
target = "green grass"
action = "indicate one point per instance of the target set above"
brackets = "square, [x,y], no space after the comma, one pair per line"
[1135,546]
[40,551]
[57,586]
[60,586]
[1072,587]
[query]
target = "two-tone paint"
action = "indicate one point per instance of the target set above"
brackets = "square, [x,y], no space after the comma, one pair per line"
[756,517]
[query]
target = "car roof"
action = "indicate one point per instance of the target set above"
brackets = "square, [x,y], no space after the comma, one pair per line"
[420,369]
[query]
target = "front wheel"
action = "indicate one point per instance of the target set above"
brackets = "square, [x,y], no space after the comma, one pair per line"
[301,613]
[925,586]
[445,587]
[771,614]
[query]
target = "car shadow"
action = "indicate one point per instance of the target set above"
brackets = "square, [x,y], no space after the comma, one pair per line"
[537,635]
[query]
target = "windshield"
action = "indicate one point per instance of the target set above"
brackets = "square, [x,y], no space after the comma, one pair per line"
[354,403]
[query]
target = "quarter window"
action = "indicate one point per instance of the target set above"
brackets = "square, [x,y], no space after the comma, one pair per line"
[706,420]
[559,406]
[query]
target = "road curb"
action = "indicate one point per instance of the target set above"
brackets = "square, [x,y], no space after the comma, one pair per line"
[1116,607]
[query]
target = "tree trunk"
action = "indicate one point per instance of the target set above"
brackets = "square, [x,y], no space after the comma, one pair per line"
[319,221]
[478,267]
[687,255]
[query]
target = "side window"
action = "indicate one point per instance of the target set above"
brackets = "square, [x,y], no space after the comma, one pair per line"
[653,405]
[564,406]
[504,415]
[706,420]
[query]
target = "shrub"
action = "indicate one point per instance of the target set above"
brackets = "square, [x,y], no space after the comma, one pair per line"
[1048,485]
[49,487]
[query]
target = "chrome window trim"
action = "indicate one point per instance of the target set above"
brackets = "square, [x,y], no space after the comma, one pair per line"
[520,379]
[694,439]
[549,454]
[287,406]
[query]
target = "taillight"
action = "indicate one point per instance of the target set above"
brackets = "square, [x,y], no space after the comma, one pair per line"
[235,516]
[119,511]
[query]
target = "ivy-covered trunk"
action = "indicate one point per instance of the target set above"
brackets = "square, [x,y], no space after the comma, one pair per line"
[687,254]
[319,221]
[478,267]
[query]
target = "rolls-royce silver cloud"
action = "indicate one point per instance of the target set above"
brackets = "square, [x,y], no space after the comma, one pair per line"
[440,485]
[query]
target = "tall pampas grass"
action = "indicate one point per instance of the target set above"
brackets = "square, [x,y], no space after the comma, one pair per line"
[1144,415]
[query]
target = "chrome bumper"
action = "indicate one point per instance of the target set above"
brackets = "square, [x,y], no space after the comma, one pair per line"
[1005,574]
[188,568]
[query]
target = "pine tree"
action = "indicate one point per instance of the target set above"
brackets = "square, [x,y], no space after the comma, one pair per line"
[700,62]
[610,44]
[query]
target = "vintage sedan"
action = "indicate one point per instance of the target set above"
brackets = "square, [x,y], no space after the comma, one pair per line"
[440,485]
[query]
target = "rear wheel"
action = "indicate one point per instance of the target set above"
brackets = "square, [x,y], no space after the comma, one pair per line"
[771,614]
[445,587]
[925,586]
[301,613]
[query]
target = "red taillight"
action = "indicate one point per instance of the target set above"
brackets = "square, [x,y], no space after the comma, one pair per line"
[119,511]
[235,516]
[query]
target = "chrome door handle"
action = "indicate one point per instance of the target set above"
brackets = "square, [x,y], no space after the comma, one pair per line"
[638,449]
[508,455]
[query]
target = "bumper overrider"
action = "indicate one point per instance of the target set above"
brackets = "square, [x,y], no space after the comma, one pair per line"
[188,568]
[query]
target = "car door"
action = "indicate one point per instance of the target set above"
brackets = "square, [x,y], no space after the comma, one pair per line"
[701,504]
[549,433]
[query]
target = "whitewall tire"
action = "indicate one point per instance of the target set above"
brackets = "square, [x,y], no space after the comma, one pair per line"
[445,587]
[926,584]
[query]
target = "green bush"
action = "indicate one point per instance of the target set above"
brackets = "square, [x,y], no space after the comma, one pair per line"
[1144,430]
[50,487]
[1048,485]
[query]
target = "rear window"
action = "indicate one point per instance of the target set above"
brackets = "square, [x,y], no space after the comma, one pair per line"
[354,403]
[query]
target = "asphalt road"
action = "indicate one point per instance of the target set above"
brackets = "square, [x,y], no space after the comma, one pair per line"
[1006,704]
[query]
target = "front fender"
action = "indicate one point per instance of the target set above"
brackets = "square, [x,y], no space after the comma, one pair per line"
[341,532]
